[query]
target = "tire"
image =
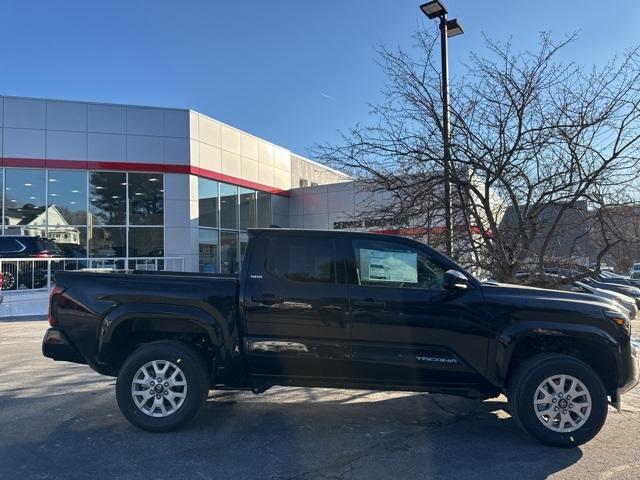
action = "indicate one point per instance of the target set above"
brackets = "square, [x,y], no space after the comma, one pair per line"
[8,281]
[186,394]
[556,420]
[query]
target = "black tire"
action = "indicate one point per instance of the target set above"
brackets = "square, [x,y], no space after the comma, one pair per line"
[8,281]
[522,392]
[195,377]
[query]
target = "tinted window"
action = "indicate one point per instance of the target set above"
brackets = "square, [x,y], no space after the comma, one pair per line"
[146,199]
[244,242]
[146,242]
[67,197]
[8,245]
[229,252]
[302,259]
[108,198]
[25,201]
[107,241]
[207,202]
[247,208]
[228,206]
[46,244]
[264,209]
[71,236]
[208,249]
[395,265]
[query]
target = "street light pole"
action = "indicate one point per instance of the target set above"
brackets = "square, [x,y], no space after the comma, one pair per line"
[448,28]
[446,136]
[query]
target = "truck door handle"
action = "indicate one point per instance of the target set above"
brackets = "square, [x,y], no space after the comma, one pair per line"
[369,303]
[268,299]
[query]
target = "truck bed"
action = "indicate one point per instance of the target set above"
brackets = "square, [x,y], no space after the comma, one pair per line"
[92,302]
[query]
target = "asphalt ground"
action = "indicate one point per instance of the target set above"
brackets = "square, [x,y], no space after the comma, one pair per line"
[60,421]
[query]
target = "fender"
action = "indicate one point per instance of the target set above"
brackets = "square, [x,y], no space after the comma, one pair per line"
[518,332]
[219,329]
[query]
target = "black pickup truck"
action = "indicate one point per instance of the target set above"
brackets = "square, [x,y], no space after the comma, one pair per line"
[346,310]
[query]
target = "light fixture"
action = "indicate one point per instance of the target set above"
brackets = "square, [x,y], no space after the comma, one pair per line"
[138,193]
[153,179]
[99,188]
[454,28]
[53,194]
[114,196]
[75,191]
[28,184]
[53,180]
[434,9]
[123,183]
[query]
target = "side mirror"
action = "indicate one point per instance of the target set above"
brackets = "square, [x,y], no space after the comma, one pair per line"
[454,280]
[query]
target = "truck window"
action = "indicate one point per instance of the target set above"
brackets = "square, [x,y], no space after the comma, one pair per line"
[394,265]
[302,259]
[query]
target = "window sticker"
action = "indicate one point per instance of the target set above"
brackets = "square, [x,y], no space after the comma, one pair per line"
[380,266]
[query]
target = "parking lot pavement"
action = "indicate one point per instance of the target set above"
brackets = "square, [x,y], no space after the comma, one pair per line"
[61,421]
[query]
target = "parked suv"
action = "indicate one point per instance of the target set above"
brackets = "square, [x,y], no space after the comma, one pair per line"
[31,274]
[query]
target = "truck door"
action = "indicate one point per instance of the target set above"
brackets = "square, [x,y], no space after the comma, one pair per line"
[407,329]
[295,307]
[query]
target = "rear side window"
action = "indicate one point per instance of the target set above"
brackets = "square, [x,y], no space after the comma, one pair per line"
[302,259]
[9,245]
[46,244]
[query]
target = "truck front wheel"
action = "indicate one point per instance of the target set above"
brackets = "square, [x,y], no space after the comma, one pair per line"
[162,386]
[558,400]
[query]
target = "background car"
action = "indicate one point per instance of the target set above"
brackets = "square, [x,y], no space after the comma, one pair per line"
[625,289]
[624,301]
[30,274]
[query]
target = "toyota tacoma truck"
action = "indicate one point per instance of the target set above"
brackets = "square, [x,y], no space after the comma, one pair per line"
[345,310]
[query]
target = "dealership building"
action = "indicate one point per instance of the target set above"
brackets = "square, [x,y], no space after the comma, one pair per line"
[129,182]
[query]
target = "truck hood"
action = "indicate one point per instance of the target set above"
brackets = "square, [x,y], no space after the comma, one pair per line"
[542,301]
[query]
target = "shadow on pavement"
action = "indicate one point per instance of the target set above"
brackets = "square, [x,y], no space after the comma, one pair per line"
[288,433]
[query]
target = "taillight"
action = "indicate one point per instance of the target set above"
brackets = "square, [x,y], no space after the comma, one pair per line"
[56,290]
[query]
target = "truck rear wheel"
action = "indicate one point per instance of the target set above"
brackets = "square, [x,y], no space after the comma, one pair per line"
[162,386]
[558,399]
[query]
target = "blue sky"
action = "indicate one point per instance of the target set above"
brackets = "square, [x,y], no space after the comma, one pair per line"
[290,71]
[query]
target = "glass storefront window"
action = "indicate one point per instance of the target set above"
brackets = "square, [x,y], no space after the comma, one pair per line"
[208,249]
[247,208]
[107,241]
[67,197]
[146,199]
[107,198]
[264,209]
[146,242]
[71,239]
[244,241]
[207,202]
[228,206]
[229,252]
[25,201]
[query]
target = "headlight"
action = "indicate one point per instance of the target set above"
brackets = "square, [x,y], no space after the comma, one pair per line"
[618,318]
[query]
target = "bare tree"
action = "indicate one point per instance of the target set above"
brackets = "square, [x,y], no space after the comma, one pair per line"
[532,137]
